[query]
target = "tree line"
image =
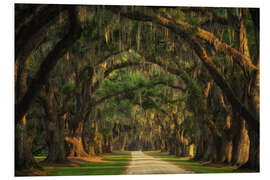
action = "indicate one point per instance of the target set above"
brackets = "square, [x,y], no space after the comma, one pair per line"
[95,79]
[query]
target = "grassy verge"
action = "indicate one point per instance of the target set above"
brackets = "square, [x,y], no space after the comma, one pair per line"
[40,157]
[189,164]
[114,164]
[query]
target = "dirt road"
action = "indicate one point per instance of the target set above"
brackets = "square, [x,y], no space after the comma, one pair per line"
[144,164]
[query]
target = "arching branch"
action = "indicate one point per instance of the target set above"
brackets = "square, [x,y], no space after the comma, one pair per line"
[101,100]
[225,87]
[111,69]
[50,61]
[31,34]
[187,30]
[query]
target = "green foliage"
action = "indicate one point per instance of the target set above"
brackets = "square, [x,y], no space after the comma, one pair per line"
[195,97]
[54,72]
[219,60]
[105,33]
[68,88]
[193,21]
[126,81]
[72,108]
[178,14]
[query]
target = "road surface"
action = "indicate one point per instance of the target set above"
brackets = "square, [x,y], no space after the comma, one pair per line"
[144,164]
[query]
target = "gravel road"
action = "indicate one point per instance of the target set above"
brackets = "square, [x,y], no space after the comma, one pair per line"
[144,164]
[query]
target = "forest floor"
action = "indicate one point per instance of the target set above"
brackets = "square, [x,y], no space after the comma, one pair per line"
[191,165]
[145,164]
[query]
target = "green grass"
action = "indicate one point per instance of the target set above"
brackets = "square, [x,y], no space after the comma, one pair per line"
[116,163]
[40,157]
[189,164]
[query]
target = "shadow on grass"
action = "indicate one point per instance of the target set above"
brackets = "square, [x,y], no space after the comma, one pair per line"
[190,164]
[115,164]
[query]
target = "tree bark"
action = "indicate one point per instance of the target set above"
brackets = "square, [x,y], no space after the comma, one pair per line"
[50,61]
[56,146]
[210,153]
[23,147]
[54,127]
[30,35]
[100,146]
[108,144]
[240,143]
[254,153]
[75,141]
[23,135]
[201,148]
[124,142]
[91,149]
[251,94]
[91,141]
[163,146]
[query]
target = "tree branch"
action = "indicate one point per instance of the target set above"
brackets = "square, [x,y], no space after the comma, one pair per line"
[225,87]
[111,69]
[50,61]
[187,30]
[31,34]
[131,89]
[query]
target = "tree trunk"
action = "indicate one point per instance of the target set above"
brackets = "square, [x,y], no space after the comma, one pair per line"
[75,141]
[23,137]
[91,141]
[47,65]
[54,127]
[124,142]
[240,144]
[211,149]
[163,146]
[23,148]
[254,136]
[226,151]
[108,144]
[76,147]
[253,88]
[191,150]
[254,153]
[100,146]
[56,147]
[91,149]
[55,140]
[200,148]
[225,155]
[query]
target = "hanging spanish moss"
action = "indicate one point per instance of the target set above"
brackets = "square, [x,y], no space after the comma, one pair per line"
[95,85]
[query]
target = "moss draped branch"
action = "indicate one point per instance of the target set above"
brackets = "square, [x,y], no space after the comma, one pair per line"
[50,61]
[32,33]
[117,93]
[187,30]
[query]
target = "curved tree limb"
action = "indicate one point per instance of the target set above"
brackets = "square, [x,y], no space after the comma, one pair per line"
[31,34]
[187,30]
[96,85]
[183,75]
[225,87]
[50,61]
[101,100]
